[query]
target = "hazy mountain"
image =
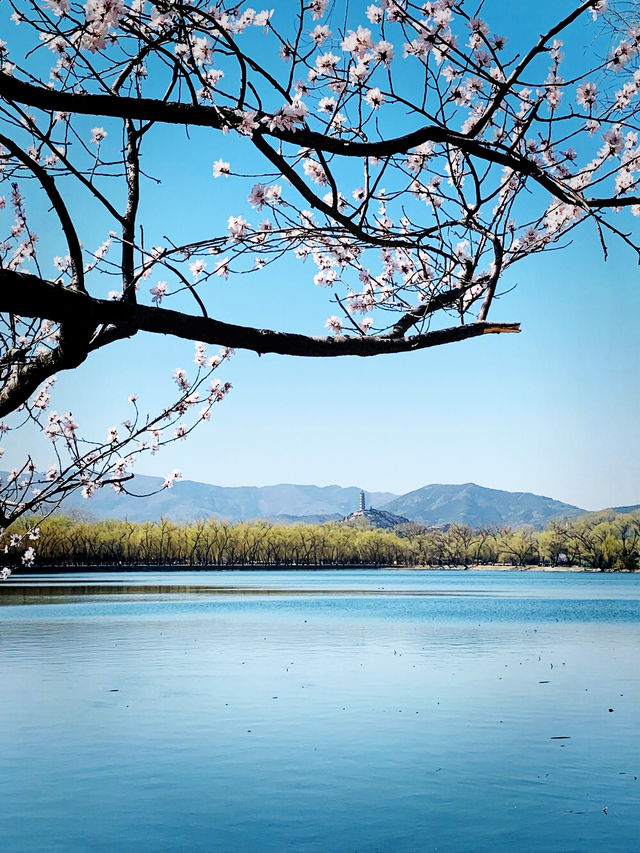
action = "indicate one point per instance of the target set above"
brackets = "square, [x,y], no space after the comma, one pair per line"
[188,500]
[317,518]
[288,503]
[478,507]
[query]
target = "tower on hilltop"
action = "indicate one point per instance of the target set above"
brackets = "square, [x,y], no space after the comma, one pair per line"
[362,502]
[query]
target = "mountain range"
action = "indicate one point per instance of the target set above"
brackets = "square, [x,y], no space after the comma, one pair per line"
[188,500]
[478,506]
[434,504]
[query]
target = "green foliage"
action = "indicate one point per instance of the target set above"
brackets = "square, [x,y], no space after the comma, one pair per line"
[604,541]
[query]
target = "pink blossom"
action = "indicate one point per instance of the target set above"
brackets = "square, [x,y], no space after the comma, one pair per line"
[477,25]
[586,94]
[320,33]
[222,268]
[359,72]
[326,105]
[326,63]
[318,8]
[383,52]
[325,278]
[171,479]
[237,227]
[374,98]
[340,200]
[261,19]
[261,195]
[159,291]
[315,172]
[28,557]
[246,127]
[357,41]
[598,8]
[221,169]
[288,116]
[334,324]
[197,268]
[97,135]
[180,376]
[614,141]
[374,14]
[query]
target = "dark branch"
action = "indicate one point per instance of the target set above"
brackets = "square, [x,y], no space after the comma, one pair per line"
[30,296]
[172,112]
[49,186]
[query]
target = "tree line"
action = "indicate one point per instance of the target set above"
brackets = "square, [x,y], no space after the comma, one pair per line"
[604,541]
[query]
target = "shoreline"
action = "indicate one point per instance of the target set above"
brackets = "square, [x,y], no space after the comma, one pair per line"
[117,569]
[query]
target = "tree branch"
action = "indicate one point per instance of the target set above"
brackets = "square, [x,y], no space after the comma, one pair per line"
[49,186]
[29,296]
[172,112]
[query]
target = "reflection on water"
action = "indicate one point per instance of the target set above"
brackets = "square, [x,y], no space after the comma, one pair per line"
[310,723]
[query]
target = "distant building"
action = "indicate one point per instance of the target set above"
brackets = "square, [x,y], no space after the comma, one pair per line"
[362,503]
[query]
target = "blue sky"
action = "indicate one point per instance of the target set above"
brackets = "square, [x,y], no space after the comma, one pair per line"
[554,410]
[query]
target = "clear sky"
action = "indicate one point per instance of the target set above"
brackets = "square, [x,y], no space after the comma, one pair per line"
[554,410]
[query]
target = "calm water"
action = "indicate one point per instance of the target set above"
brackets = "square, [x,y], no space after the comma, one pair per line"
[407,711]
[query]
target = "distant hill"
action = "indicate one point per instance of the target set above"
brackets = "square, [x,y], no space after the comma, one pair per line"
[317,518]
[374,518]
[188,500]
[478,507]
[432,506]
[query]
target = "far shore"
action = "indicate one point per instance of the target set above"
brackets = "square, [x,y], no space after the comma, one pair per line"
[119,569]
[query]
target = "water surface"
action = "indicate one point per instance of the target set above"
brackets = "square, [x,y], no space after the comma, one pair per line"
[460,711]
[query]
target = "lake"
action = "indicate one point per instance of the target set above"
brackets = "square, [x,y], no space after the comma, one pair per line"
[320,711]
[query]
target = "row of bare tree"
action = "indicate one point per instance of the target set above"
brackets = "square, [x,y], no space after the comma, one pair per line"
[605,541]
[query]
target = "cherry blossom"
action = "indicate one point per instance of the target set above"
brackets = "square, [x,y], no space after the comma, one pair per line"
[374,98]
[158,291]
[238,227]
[586,94]
[334,324]
[221,169]
[197,268]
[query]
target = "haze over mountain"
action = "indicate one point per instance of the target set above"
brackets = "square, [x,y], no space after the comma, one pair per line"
[477,506]
[625,509]
[433,505]
[188,500]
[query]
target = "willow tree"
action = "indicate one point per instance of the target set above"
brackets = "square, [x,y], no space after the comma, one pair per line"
[412,153]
